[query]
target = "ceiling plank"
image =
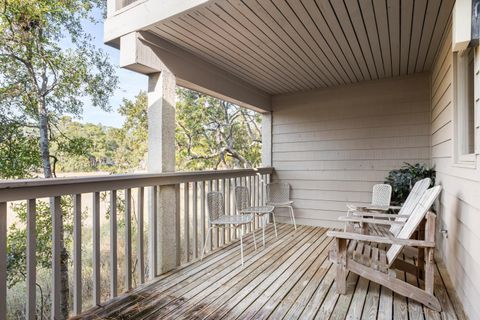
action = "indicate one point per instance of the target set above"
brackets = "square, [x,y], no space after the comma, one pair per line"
[341,15]
[393,11]
[380,9]
[372,33]
[417,26]
[440,29]
[406,33]
[319,38]
[358,24]
[431,16]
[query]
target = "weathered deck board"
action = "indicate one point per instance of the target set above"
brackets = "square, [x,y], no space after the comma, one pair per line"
[291,278]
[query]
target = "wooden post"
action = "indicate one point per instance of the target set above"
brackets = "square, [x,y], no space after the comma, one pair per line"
[161,158]
[3,260]
[267,139]
[421,251]
[429,261]
[341,277]
[31,259]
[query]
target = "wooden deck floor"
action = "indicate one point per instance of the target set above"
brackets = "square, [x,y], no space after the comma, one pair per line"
[291,278]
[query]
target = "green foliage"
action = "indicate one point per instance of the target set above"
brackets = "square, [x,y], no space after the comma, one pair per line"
[403,179]
[17,235]
[132,138]
[213,134]
[40,80]
[19,157]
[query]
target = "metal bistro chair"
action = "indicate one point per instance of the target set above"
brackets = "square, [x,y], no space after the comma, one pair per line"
[217,218]
[242,202]
[381,195]
[278,195]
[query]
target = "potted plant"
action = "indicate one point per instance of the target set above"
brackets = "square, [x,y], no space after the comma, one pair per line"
[403,179]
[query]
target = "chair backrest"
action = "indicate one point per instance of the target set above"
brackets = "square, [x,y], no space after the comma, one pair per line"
[381,195]
[414,220]
[278,192]
[411,202]
[215,205]
[242,198]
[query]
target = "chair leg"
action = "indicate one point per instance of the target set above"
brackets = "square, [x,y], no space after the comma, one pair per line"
[241,244]
[205,244]
[293,217]
[254,240]
[264,223]
[341,276]
[274,225]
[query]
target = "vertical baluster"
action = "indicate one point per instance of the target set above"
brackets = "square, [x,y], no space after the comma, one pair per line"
[178,214]
[203,221]
[140,244]
[128,239]
[56,212]
[77,254]
[262,185]
[96,248]
[210,245]
[186,212]
[152,233]
[217,230]
[227,206]
[31,259]
[194,220]
[223,232]
[3,260]
[254,196]
[236,182]
[113,244]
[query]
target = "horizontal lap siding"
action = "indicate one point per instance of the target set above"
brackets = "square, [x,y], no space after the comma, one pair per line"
[333,145]
[459,209]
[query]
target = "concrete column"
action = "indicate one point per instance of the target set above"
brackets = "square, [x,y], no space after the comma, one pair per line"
[161,158]
[267,139]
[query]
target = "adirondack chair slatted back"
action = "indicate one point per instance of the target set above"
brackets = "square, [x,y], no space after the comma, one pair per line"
[413,221]
[215,205]
[242,198]
[411,202]
[381,195]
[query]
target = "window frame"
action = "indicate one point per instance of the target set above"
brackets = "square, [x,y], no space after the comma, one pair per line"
[460,82]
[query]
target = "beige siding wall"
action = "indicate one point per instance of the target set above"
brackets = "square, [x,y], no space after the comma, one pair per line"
[460,201]
[333,145]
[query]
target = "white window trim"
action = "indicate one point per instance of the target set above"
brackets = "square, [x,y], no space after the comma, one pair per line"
[464,160]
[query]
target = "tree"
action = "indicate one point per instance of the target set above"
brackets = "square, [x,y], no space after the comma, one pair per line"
[40,81]
[212,133]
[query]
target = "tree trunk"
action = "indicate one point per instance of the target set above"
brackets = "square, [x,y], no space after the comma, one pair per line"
[44,143]
[47,172]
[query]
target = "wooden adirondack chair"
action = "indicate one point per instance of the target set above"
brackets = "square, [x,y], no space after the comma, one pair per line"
[381,217]
[363,254]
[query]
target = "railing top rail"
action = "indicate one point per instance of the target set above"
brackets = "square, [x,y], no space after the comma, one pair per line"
[13,190]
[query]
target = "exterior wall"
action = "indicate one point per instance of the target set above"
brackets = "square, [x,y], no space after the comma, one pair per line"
[459,209]
[332,145]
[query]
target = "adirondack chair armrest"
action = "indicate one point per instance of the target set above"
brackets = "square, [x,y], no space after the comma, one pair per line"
[379,215]
[381,221]
[378,239]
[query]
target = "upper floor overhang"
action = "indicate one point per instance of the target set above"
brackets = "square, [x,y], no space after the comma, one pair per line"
[284,46]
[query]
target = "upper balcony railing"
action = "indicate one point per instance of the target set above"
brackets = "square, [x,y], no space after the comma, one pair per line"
[125,198]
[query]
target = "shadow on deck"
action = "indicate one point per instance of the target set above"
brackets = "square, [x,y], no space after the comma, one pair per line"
[291,278]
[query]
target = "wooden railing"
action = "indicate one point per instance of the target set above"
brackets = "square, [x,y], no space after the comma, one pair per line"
[134,192]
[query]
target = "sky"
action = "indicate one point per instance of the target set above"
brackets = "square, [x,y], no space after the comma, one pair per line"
[130,83]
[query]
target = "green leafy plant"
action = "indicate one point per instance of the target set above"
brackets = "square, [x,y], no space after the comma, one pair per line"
[403,179]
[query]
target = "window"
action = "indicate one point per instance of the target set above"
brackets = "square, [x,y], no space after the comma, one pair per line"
[465,105]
